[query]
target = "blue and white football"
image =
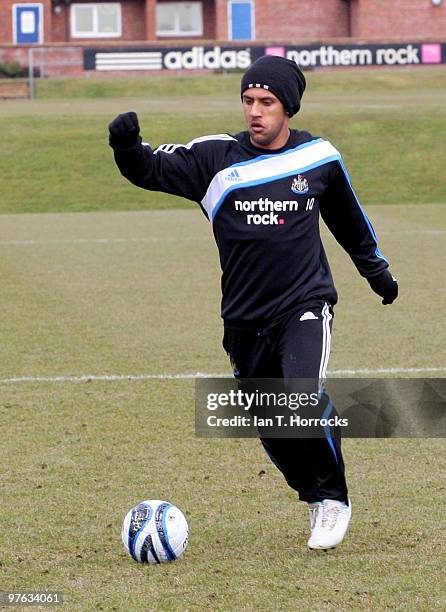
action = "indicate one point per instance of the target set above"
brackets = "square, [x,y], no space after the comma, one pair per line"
[155,531]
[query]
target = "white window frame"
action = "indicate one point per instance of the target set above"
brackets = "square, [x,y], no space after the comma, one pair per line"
[253,17]
[177,32]
[14,19]
[95,33]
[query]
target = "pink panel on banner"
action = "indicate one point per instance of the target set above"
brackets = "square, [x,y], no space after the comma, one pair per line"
[431,54]
[280,51]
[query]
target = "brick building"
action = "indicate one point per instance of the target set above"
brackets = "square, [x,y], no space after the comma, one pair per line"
[88,37]
[107,21]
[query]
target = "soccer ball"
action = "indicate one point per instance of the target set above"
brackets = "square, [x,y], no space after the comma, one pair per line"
[155,531]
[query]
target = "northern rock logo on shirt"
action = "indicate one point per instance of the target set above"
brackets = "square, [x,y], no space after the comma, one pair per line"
[265,211]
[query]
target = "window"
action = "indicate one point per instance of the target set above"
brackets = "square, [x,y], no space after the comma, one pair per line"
[95,20]
[179,19]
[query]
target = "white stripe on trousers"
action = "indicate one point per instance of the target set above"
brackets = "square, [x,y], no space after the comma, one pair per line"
[326,343]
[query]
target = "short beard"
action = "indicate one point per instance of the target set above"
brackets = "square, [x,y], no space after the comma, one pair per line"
[262,140]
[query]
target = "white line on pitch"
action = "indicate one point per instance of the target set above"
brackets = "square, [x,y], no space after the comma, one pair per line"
[180,238]
[100,240]
[186,375]
[385,371]
[113,377]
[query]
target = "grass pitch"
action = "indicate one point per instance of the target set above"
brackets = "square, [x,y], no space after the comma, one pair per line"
[117,294]
[55,156]
[137,293]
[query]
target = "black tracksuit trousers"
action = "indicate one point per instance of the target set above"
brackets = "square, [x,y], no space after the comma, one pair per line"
[296,346]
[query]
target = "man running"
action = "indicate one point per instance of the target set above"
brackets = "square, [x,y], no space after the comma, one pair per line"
[263,190]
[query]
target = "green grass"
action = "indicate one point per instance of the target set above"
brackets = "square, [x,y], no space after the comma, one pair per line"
[226,84]
[118,87]
[55,156]
[78,468]
[137,293]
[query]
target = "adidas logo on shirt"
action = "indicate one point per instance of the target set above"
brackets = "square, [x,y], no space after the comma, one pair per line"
[233,176]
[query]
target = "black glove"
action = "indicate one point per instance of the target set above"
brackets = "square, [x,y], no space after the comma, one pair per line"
[385,285]
[124,131]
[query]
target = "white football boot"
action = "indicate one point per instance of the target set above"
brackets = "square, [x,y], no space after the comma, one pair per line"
[332,519]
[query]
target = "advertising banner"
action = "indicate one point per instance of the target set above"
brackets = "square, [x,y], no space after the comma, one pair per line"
[229,57]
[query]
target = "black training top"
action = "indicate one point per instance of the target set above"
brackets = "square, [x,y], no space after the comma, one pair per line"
[264,209]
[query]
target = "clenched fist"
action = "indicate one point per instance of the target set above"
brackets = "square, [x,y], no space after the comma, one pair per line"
[124,131]
[385,285]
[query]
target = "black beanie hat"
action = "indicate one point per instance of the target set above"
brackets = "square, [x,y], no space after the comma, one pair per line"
[281,76]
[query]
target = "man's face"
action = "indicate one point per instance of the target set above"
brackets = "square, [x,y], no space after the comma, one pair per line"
[266,118]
